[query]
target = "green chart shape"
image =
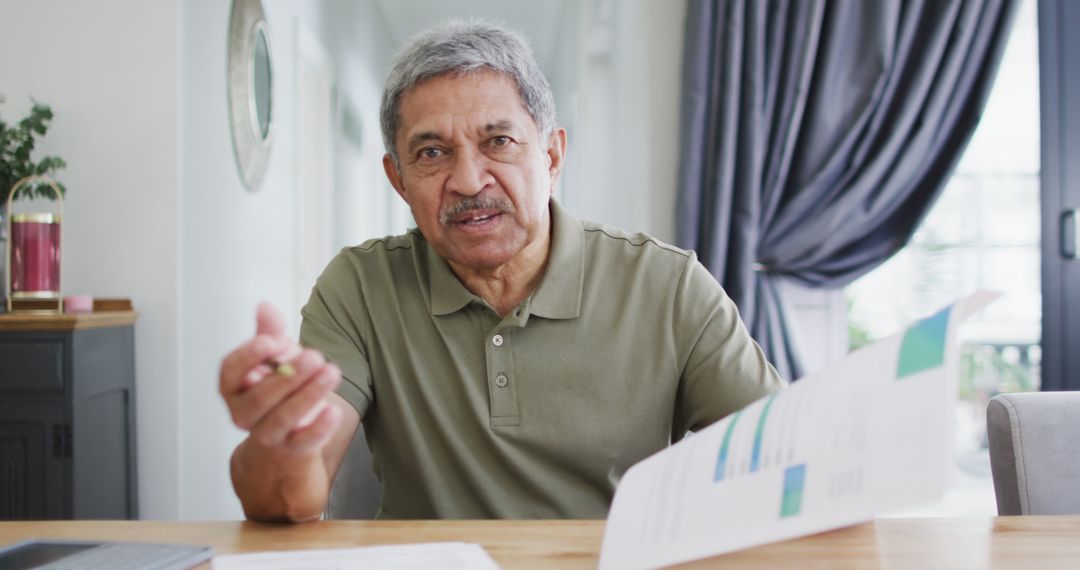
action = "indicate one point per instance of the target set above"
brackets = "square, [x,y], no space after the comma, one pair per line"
[923,346]
[794,481]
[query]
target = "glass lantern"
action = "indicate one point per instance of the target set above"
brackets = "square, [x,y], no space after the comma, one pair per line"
[33,255]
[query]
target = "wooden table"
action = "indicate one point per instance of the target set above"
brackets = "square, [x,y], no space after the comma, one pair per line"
[1039,543]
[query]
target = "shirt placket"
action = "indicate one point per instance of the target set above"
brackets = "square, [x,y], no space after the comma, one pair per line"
[502,383]
[500,376]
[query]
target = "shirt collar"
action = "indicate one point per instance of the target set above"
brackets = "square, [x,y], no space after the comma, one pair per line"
[559,294]
[448,295]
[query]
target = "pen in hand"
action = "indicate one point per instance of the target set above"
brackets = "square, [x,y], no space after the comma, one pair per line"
[285,369]
[282,365]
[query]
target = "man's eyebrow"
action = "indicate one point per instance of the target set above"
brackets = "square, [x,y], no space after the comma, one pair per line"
[500,125]
[422,137]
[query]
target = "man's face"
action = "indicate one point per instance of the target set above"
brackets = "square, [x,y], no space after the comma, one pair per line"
[474,169]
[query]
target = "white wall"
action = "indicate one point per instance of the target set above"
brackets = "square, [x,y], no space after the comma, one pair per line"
[237,246]
[617,83]
[367,204]
[664,24]
[108,69]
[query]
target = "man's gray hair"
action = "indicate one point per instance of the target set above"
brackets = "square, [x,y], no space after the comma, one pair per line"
[460,48]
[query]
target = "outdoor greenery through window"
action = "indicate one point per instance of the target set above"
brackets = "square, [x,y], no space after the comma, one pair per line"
[983,233]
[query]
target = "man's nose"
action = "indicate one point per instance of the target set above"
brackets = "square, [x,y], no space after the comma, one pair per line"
[469,174]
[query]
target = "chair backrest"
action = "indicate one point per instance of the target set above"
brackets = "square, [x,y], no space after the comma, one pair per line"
[356,491]
[1035,452]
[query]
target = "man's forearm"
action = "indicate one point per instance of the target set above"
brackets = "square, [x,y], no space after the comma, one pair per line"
[273,486]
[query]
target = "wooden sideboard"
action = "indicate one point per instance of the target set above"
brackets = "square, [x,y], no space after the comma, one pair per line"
[67,416]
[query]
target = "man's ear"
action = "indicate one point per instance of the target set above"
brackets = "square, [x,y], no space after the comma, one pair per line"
[556,155]
[393,175]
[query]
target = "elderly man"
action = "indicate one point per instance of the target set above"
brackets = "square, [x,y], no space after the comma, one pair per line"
[506,359]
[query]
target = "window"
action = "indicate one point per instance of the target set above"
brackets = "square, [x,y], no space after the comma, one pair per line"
[982,233]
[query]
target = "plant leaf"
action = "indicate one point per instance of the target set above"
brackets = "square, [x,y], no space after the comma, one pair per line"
[17,143]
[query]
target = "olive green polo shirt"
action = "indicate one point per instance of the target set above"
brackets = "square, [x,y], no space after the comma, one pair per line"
[626,344]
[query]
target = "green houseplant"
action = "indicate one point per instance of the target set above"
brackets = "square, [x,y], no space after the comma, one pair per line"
[17,144]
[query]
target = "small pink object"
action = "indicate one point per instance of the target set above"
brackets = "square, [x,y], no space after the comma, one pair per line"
[78,304]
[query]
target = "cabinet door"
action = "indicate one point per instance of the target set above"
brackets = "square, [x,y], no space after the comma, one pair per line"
[34,457]
[103,414]
[103,470]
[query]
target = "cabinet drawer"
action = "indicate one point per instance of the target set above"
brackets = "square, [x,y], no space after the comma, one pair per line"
[32,366]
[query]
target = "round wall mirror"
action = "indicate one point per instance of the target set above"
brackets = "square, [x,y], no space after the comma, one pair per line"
[251,87]
[261,84]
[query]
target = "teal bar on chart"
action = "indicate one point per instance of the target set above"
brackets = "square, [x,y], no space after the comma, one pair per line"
[755,457]
[794,481]
[923,346]
[721,460]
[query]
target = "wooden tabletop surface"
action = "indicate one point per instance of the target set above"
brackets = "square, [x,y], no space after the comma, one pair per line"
[1039,543]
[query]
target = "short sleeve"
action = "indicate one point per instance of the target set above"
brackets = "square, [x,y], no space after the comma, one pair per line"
[335,322]
[725,369]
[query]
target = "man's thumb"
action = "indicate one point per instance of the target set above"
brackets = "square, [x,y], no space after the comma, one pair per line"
[268,321]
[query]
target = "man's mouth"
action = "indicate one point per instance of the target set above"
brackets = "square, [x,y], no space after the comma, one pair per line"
[476,217]
[475,212]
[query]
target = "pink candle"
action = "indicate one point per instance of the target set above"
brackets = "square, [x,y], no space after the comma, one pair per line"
[35,254]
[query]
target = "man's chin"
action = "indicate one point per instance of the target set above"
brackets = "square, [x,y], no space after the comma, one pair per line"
[481,262]
[483,256]
[484,250]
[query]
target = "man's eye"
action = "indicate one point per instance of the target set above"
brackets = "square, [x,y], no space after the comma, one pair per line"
[501,140]
[430,152]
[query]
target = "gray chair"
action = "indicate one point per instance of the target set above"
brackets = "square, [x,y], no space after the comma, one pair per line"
[356,491]
[1035,452]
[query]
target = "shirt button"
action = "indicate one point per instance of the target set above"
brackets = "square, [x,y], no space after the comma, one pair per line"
[497,340]
[500,380]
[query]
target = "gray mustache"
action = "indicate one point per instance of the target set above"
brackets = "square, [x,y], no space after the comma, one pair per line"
[502,206]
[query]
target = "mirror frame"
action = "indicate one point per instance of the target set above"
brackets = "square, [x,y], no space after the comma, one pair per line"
[251,150]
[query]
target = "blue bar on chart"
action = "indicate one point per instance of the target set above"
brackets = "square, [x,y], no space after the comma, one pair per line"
[721,460]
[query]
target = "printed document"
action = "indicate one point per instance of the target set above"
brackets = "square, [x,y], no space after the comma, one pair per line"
[443,555]
[867,435]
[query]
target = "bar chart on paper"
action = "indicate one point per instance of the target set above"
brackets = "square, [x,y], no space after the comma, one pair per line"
[857,439]
[776,439]
[749,452]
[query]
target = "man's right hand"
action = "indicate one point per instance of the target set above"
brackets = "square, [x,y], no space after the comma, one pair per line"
[299,429]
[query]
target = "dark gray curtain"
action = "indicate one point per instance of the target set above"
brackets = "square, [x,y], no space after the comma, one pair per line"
[816,134]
